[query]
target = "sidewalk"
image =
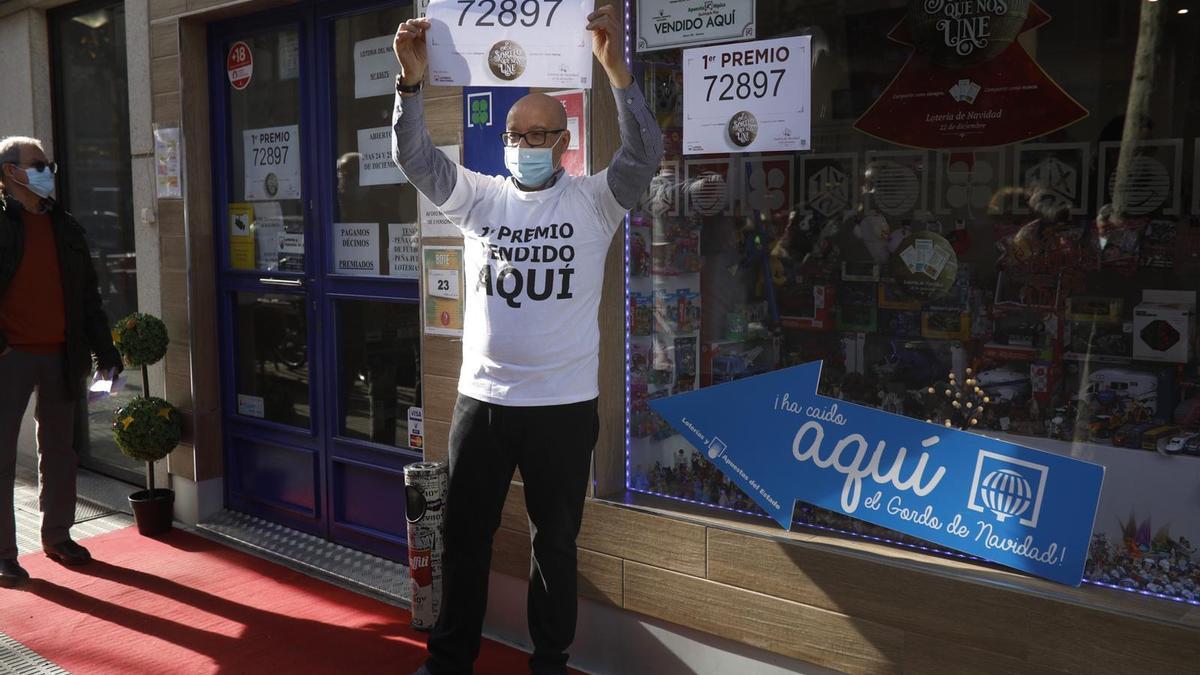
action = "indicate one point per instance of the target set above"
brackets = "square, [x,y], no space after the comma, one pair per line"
[103,508]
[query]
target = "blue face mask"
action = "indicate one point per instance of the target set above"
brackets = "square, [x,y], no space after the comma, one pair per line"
[532,167]
[40,183]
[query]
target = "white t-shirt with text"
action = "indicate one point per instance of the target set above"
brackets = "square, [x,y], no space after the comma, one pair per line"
[534,272]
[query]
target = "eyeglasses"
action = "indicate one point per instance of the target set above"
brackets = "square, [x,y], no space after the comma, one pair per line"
[40,166]
[535,138]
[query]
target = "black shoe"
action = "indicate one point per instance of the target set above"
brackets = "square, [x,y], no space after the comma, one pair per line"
[11,573]
[67,552]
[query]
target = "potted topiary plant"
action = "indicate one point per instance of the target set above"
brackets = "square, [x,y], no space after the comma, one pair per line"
[148,428]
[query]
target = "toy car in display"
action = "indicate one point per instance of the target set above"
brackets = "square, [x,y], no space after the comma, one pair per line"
[1108,384]
[1004,384]
[1153,437]
[1176,445]
[1192,447]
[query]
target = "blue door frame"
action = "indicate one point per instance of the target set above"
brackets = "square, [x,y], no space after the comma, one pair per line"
[346,475]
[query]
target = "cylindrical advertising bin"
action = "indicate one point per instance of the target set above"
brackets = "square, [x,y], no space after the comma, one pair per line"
[425,485]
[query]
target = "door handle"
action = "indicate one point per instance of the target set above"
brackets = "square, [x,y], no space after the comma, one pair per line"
[289,283]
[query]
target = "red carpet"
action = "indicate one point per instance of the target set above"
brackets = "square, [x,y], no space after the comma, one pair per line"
[183,604]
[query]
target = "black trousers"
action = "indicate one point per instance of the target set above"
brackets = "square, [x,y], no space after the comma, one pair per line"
[552,445]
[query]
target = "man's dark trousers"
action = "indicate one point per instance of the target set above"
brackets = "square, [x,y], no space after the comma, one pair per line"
[22,373]
[552,445]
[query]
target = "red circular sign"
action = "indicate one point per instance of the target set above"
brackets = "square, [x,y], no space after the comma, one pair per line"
[445,318]
[240,65]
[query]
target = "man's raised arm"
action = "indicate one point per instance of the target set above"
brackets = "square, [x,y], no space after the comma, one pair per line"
[430,171]
[637,160]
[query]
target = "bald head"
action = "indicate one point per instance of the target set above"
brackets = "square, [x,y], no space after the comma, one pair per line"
[537,111]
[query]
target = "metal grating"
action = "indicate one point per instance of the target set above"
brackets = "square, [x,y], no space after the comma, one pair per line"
[383,579]
[17,659]
[98,518]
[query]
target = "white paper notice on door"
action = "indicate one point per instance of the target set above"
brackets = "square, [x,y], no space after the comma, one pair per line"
[356,249]
[500,44]
[748,97]
[375,165]
[271,160]
[268,226]
[375,67]
[251,406]
[433,222]
[403,253]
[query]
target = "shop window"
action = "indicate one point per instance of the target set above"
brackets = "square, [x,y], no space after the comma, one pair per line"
[1046,251]
[91,145]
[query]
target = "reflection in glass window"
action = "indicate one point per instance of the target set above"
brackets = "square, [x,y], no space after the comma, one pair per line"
[1030,228]
[272,367]
[379,370]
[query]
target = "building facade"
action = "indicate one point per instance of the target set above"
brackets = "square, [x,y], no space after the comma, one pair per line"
[231,162]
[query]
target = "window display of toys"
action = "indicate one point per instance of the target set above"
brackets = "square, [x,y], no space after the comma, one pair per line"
[639,252]
[1177,444]
[892,297]
[1164,331]
[677,252]
[685,364]
[687,310]
[1146,559]
[808,307]
[946,325]
[641,313]
[1158,244]
[689,476]
[1094,308]
[1093,338]
[856,307]
[900,323]
[1154,437]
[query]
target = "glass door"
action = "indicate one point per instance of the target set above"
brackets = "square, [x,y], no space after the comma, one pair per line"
[370,280]
[318,248]
[269,295]
[95,185]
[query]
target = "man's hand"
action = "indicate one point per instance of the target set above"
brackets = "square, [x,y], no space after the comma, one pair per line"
[411,51]
[605,24]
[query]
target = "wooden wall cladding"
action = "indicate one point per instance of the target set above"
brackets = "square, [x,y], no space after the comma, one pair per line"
[789,628]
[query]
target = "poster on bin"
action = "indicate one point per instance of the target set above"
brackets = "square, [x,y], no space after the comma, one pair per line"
[510,44]
[748,97]
[780,442]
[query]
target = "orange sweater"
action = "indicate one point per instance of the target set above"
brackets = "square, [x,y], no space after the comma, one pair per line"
[32,313]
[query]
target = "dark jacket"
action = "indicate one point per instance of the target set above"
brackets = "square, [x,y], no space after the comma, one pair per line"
[88,332]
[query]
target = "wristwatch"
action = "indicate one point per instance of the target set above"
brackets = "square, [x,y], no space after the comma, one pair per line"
[402,88]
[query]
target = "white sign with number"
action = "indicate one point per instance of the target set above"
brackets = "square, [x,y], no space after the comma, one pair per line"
[271,159]
[748,97]
[443,284]
[375,67]
[510,43]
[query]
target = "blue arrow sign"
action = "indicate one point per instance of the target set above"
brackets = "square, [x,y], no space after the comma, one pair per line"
[779,441]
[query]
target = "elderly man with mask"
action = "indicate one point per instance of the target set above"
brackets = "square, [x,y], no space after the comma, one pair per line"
[52,322]
[535,250]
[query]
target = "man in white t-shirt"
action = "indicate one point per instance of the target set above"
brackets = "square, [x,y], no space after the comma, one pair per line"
[535,247]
